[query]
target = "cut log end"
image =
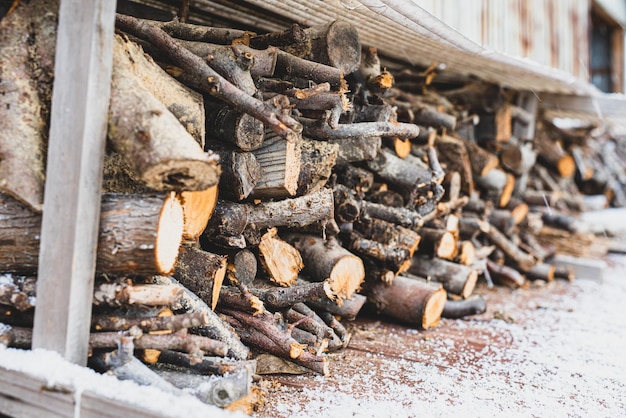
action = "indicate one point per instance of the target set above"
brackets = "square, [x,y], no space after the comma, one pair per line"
[346,277]
[433,309]
[447,247]
[169,234]
[198,208]
[470,284]
[507,192]
[182,175]
[566,166]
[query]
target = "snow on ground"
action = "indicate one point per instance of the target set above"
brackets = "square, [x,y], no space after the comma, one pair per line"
[565,355]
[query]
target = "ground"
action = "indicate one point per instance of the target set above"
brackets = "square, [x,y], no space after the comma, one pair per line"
[557,349]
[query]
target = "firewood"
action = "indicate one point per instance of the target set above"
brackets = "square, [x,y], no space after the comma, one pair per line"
[211,82]
[392,257]
[564,272]
[438,242]
[281,261]
[201,272]
[216,328]
[354,149]
[412,301]
[234,127]
[363,130]
[518,209]
[551,153]
[205,364]
[294,34]
[192,344]
[280,167]
[456,279]
[242,267]
[12,295]
[454,309]
[454,155]
[348,310]
[329,325]
[138,235]
[467,253]
[252,220]
[541,271]
[312,323]
[503,220]
[497,186]
[389,234]
[198,207]
[154,143]
[505,275]
[481,160]
[22,164]
[120,293]
[184,103]
[157,323]
[265,335]
[12,336]
[200,33]
[240,173]
[407,175]
[316,165]
[495,126]
[327,259]
[336,44]
[355,178]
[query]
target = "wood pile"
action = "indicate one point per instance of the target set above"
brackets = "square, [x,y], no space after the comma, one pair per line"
[260,189]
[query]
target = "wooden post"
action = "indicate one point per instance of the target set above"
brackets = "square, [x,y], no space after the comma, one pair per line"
[74,175]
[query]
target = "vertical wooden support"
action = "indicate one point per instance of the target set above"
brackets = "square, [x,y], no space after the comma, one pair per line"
[71,211]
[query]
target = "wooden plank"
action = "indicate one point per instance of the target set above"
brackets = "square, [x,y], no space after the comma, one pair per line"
[93,405]
[74,175]
[22,395]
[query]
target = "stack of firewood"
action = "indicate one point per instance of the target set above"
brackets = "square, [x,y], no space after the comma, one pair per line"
[259,188]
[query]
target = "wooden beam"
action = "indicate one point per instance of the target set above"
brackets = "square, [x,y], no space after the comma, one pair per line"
[71,211]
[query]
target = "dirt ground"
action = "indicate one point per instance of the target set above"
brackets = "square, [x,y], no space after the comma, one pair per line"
[556,349]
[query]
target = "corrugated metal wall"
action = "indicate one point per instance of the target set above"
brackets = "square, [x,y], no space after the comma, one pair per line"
[551,32]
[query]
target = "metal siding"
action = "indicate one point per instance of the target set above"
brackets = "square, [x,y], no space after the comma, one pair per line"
[551,32]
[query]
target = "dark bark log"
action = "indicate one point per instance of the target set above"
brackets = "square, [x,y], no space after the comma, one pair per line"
[355,178]
[200,33]
[551,153]
[505,275]
[412,301]
[230,125]
[198,207]
[496,186]
[455,309]
[389,234]
[363,130]
[409,176]
[456,279]
[240,173]
[348,310]
[357,149]
[396,259]
[293,35]
[201,272]
[171,323]
[204,365]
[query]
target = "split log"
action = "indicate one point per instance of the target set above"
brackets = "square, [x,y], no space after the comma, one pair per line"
[201,272]
[412,301]
[233,219]
[240,173]
[327,259]
[467,253]
[316,165]
[455,309]
[438,242]
[156,146]
[216,329]
[456,279]
[551,153]
[22,126]
[281,261]
[184,103]
[138,235]
[280,167]
[198,207]
[495,126]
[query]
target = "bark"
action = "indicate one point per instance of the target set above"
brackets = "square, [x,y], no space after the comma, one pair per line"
[389,234]
[412,301]
[357,149]
[278,298]
[12,295]
[363,130]
[455,309]
[240,173]
[138,235]
[327,259]
[505,275]
[205,365]
[541,271]
[497,186]
[234,127]
[316,165]
[392,257]
[457,279]
[200,33]
[406,175]
[294,34]
[171,323]
[201,272]
[348,310]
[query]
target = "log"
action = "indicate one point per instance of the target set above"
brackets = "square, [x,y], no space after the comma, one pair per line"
[280,167]
[394,258]
[292,35]
[233,219]
[403,174]
[281,261]
[412,301]
[388,234]
[356,178]
[242,267]
[240,173]
[496,186]
[438,242]
[200,33]
[171,323]
[138,235]
[327,259]
[457,279]
[206,364]
[467,253]
[279,297]
[455,309]
[23,129]
[505,275]
[495,126]
[364,130]
[336,44]
[201,272]
[541,271]
[348,310]
[234,127]
[120,293]
[551,153]
[153,142]
[317,160]
[184,103]
[481,160]
[198,207]
[12,295]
